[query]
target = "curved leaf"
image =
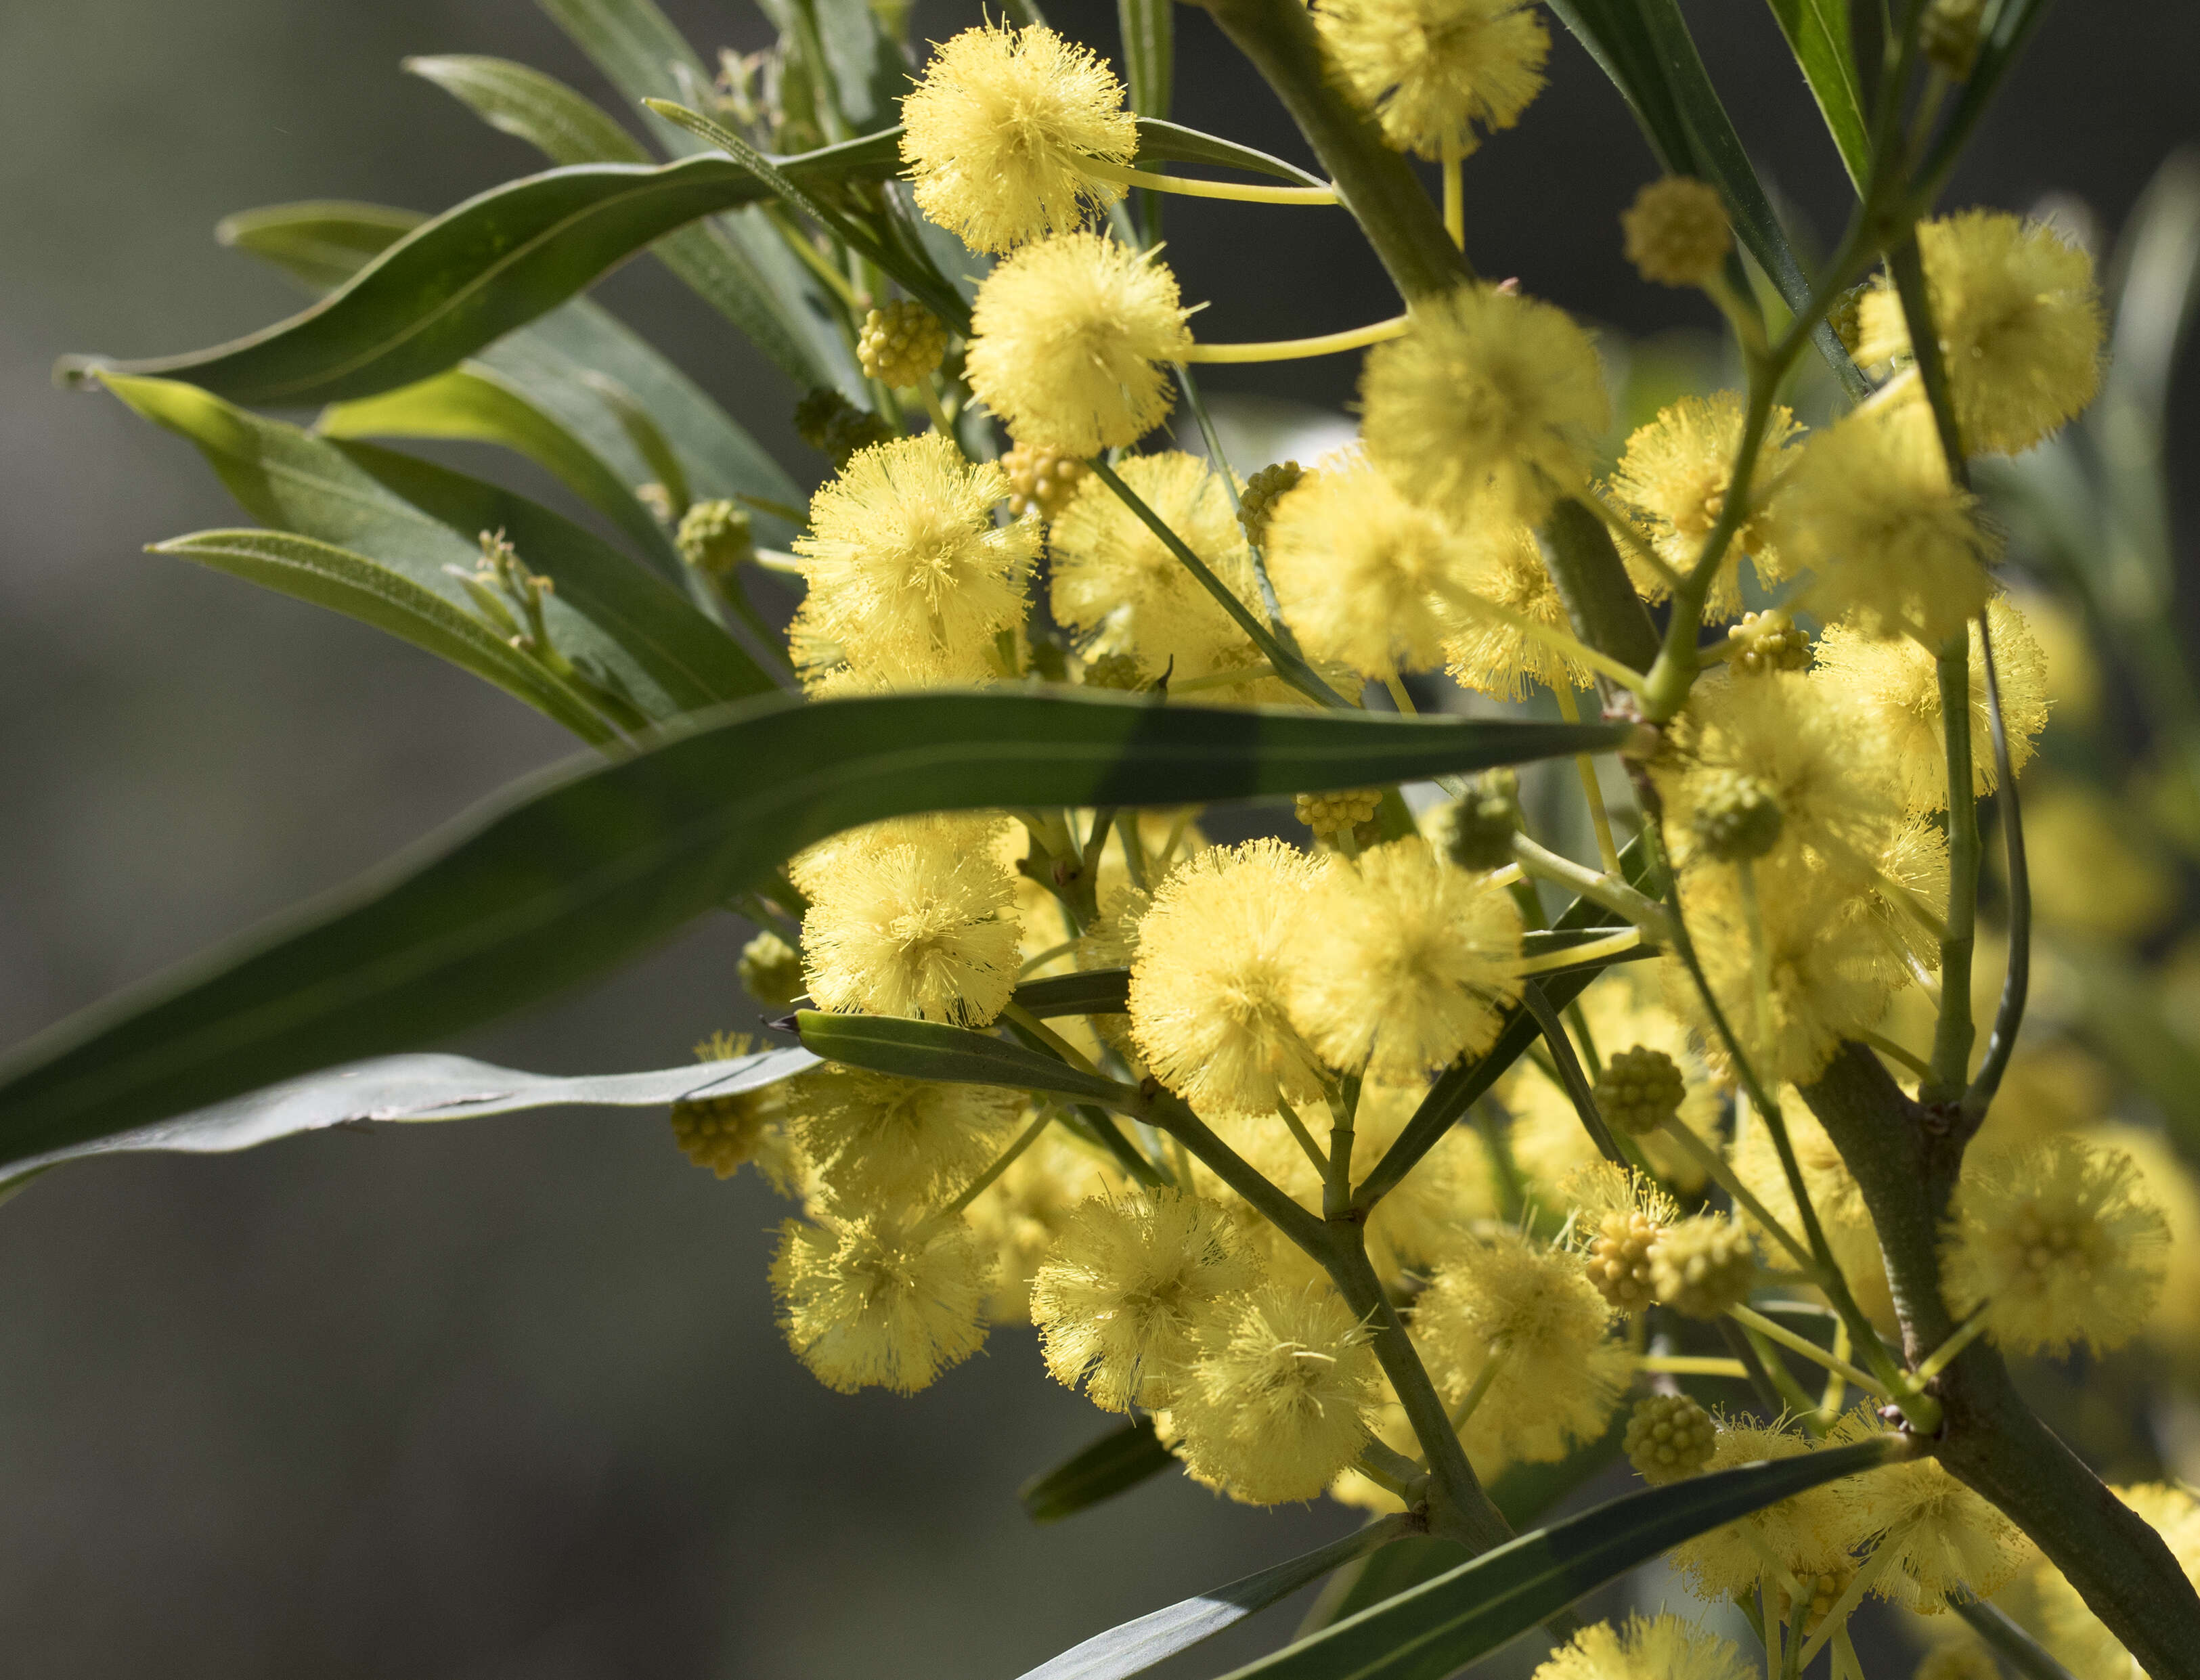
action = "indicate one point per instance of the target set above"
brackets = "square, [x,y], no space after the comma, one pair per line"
[574,872]
[1160,142]
[320,243]
[373,594]
[1090,992]
[1817,33]
[455,283]
[1117,1462]
[520,100]
[1136,1647]
[935,1050]
[1442,1625]
[476,402]
[417,1088]
[417,518]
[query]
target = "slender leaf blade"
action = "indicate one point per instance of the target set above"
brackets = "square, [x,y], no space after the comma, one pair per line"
[1817,33]
[521,101]
[358,587]
[319,243]
[1090,992]
[1115,1463]
[1446,1622]
[1137,1645]
[417,1088]
[572,873]
[1149,29]
[417,519]
[1160,142]
[933,1049]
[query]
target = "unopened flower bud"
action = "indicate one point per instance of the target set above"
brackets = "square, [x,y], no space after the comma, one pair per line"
[1041,480]
[1345,811]
[1476,831]
[1700,1267]
[714,537]
[1951,37]
[1114,670]
[901,345]
[1767,641]
[1669,1437]
[1737,818]
[1619,1259]
[1262,491]
[771,970]
[1640,1090]
[1676,232]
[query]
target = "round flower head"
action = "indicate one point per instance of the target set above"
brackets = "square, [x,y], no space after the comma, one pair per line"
[1895,543]
[1068,339]
[1022,1213]
[1939,1536]
[1800,1533]
[1702,1265]
[2020,325]
[2059,1245]
[1669,1438]
[1362,574]
[1676,232]
[1406,962]
[1663,1647]
[873,1139]
[866,1303]
[1893,689]
[1220,955]
[1488,408]
[1532,1310]
[998,131]
[1115,581]
[1493,657]
[1126,1285]
[905,921]
[907,571]
[1275,1401]
[2078,1636]
[1433,71]
[1674,475]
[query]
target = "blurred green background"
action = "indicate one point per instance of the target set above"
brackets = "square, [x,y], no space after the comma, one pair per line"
[505,1399]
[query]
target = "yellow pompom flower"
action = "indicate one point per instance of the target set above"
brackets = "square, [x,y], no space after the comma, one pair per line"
[1021,1214]
[2059,1245]
[1362,574]
[1799,1534]
[869,1303]
[1220,955]
[1661,1648]
[907,573]
[1894,542]
[2020,323]
[1406,962]
[2075,1634]
[1674,475]
[1127,1285]
[873,1139]
[1488,408]
[1434,71]
[903,920]
[1494,658]
[1893,689]
[1115,584]
[998,131]
[1069,337]
[1275,1401]
[1532,1312]
[1938,1535]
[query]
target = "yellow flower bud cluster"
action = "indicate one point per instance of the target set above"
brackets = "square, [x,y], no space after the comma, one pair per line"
[1676,232]
[901,345]
[1668,1437]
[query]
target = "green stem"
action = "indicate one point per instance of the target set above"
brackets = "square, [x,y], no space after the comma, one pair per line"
[985,1180]
[2017,981]
[1569,1073]
[1774,1332]
[1652,918]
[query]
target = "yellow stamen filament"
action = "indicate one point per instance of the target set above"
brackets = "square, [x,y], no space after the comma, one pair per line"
[1292,349]
[1121,176]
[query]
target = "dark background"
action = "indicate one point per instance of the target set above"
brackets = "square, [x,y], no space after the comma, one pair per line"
[505,1399]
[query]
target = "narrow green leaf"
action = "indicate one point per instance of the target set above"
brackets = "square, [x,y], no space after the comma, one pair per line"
[1137,1645]
[1090,992]
[476,402]
[1444,1623]
[1148,28]
[457,282]
[933,1049]
[1160,142]
[638,50]
[417,518]
[361,589]
[1645,47]
[1368,1581]
[1817,33]
[867,68]
[520,100]
[572,873]
[320,243]
[1117,1462]
[418,1088]
[554,360]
